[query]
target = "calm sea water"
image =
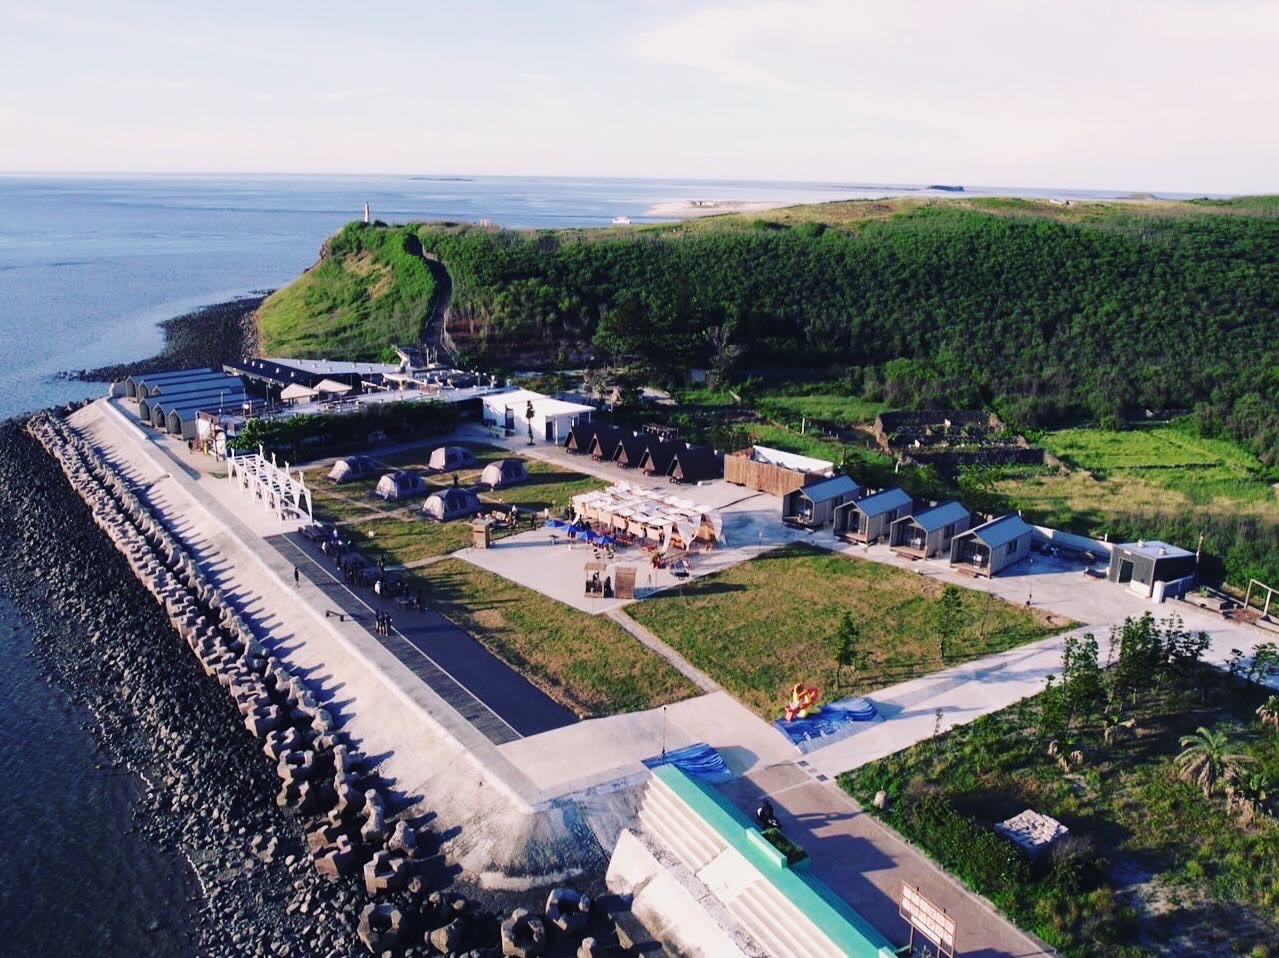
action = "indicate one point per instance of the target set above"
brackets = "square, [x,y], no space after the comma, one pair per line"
[88,266]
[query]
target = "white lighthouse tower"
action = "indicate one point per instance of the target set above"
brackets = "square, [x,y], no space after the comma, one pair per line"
[366,212]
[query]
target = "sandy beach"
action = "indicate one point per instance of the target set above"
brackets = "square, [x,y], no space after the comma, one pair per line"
[685,209]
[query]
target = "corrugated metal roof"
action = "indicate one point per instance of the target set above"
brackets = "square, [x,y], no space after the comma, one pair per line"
[999,531]
[169,376]
[940,515]
[1154,549]
[881,502]
[823,491]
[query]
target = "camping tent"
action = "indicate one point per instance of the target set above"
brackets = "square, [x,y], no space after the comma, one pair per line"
[296,392]
[352,468]
[451,503]
[400,485]
[695,464]
[504,472]
[449,458]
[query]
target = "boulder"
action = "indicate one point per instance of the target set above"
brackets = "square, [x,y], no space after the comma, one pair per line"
[523,935]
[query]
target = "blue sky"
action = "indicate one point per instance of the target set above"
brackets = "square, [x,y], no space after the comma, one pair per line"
[1144,94]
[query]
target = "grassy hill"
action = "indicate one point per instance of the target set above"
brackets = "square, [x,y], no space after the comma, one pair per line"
[369,290]
[1052,314]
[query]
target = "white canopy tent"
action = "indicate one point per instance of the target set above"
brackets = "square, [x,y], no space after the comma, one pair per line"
[667,520]
[332,387]
[296,392]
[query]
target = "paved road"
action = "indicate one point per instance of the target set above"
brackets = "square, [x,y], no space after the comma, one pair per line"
[491,695]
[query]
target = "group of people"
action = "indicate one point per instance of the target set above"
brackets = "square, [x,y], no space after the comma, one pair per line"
[596,587]
[382,624]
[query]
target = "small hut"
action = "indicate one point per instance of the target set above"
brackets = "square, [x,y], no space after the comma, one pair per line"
[403,484]
[774,471]
[814,506]
[868,519]
[630,449]
[1141,565]
[582,437]
[696,464]
[352,469]
[990,548]
[606,443]
[504,472]
[658,457]
[928,533]
[450,458]
[451,503]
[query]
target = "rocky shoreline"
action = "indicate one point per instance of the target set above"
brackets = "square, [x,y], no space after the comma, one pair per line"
[205,337]
[287,833]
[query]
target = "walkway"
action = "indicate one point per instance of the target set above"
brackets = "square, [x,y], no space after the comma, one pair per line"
[491,695]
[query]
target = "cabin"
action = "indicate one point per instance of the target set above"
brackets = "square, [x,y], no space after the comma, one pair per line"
[450,459]
[631,448]
[451,503]
[403,484]
[694,464]
[990,548]
[928,533]
[582,436]
[352,469]
[867,519]
[1152,568]
[504,472]
[813,507]
[544,418]
[658,456]
[606,443]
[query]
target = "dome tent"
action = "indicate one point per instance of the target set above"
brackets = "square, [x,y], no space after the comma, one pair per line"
[451,503]
[400,485]
[449,458]
[504,472]
[352,468]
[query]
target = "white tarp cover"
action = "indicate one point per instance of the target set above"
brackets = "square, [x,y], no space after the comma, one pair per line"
[789,460]
[651,514]
[296,391]
[331,386]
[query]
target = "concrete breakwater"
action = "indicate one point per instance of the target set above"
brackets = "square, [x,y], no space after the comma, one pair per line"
[262,863]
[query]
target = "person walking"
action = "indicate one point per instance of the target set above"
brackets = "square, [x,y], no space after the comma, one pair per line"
[297,579]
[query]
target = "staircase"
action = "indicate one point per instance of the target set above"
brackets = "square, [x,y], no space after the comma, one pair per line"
[753,899]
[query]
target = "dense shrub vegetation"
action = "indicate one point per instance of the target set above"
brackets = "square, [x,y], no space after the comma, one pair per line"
[1049,320]
[341,432]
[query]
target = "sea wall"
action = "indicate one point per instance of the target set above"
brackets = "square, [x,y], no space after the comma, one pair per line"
[262,863]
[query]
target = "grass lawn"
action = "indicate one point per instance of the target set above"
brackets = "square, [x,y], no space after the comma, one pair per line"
[1151,866]
[586,662]
[764,625]
[405,539]
[548,487]
[825,407]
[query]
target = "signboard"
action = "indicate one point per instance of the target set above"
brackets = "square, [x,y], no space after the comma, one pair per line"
[927,919]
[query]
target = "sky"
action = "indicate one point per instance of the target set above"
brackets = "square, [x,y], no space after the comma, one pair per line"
[1168,95]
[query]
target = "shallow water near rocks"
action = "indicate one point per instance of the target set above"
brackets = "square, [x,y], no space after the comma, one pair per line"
[75,879]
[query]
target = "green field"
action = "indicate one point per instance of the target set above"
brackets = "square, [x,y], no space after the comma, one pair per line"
[586,662]
[824,407]
[1151,867]
[760,627]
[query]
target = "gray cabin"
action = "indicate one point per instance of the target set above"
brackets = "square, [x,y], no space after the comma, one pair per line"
[868,519]
[814,506]
[1140,565]
[928,533]
[991,547]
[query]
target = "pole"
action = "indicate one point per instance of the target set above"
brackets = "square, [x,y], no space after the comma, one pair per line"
[663,731]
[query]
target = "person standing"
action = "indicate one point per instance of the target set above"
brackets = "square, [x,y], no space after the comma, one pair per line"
[297,579]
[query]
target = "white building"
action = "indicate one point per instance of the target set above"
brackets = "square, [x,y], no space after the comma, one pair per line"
[551,418]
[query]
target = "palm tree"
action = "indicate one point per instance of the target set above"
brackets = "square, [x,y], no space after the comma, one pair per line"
[1268,712]
[1205,761]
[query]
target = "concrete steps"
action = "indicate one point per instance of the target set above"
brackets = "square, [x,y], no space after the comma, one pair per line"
[672,823]
[778,925]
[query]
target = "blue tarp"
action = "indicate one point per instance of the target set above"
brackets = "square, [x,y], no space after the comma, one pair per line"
[698,761]
[833,719]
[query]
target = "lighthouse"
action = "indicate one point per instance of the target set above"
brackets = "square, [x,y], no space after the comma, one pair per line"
[366,212]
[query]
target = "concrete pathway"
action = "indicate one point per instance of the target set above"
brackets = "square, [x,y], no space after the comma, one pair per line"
[690,671]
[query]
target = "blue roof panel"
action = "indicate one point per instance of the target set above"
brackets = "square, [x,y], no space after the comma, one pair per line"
[881,502]
[831,488]
[1002,530]
[940,516]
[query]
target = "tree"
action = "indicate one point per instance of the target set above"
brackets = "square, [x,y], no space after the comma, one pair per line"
[950,619]
[848,651]
[1206,761]
[1081,674]
[1265,662]
[528,417]
[1268,712]
[723,353]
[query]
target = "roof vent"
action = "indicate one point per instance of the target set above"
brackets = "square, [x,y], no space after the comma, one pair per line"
[1141,543]
[1163,551]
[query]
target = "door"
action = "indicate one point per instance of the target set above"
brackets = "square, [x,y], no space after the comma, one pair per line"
[1125,570]
[510,419]
[550,430]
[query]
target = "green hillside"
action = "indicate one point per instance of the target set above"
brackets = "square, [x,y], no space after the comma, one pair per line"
[369,290]
[1052,314]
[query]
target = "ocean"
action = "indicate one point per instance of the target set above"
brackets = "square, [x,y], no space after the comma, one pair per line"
[88,267]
